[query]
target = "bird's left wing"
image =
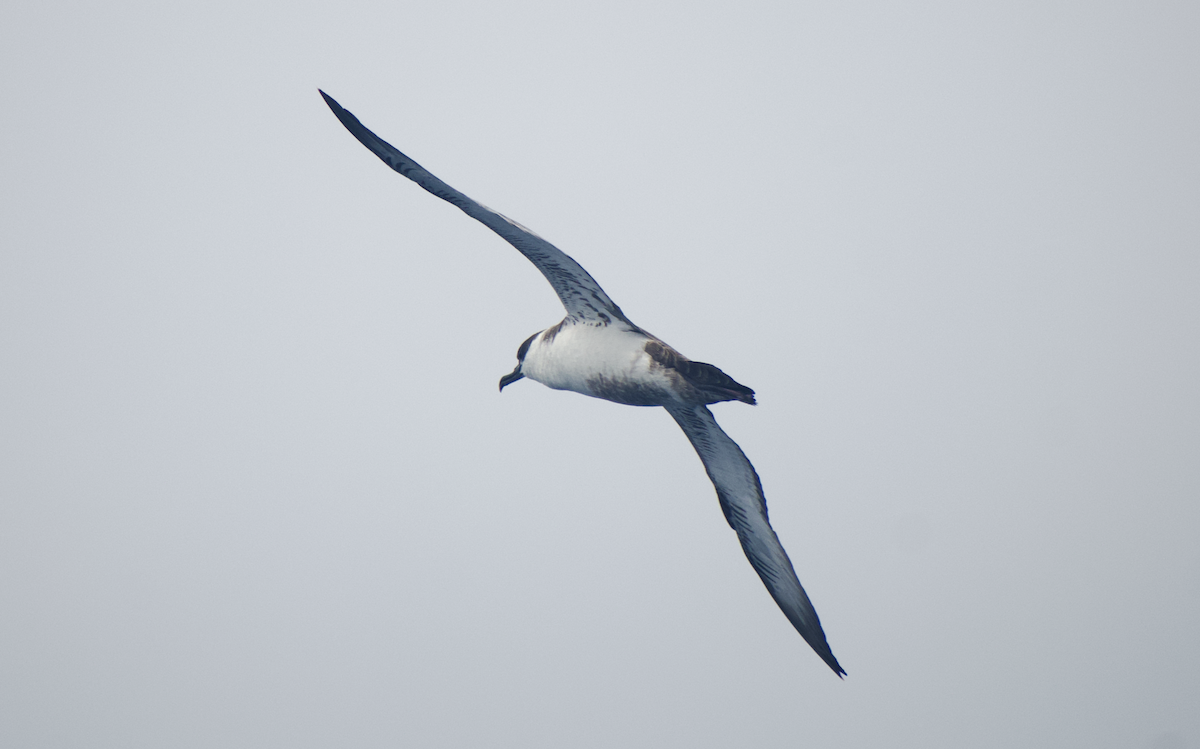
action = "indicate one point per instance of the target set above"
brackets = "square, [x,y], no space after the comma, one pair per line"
[745,507]
[583,298]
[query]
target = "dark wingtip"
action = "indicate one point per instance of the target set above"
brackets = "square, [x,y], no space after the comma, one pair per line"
[338,109]
[816,639]
[378,146]
[832,662]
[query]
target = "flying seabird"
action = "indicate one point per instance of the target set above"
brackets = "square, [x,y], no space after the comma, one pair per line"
[596,350]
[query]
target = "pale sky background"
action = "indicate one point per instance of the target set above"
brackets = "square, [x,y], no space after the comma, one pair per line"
[258,488]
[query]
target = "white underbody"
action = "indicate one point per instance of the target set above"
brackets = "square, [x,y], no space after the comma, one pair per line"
[608,362]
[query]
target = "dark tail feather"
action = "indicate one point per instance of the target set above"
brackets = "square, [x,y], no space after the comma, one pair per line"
[708,378]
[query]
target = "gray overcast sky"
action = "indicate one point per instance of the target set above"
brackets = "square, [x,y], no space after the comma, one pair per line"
[258,488]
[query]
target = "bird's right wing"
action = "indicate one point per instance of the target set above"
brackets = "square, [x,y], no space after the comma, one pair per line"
[745,507]
[583,298]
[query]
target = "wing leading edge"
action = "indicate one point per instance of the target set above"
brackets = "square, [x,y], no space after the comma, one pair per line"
[583,298]
[745,507]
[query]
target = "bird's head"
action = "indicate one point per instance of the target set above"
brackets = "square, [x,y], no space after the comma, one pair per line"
[517,374]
